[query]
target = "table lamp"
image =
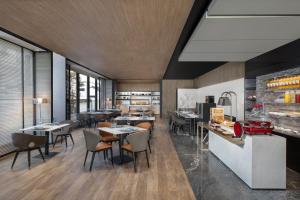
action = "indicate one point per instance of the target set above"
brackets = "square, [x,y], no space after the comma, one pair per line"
[40,101]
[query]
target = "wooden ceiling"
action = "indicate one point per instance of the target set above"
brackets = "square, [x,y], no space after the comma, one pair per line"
[122,39]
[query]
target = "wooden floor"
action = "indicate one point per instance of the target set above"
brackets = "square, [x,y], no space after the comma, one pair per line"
[63,176]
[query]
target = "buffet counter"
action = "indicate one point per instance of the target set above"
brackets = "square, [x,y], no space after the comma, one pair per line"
[259,160]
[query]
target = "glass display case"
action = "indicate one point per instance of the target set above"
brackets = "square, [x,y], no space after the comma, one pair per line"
[279,94]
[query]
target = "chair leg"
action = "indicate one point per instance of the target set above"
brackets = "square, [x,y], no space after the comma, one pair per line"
[28,157]
[149,146]
[86,155]
[147,158]
[15,158]
[134,161]
[104,155]
[41,153]
[107,154]
[72,138]
[93,157]
[55,141]
[111,156]
[61,139]
[66,140]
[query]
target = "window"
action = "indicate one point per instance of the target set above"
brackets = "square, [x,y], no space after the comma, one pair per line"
[16,92]
[28,87]
[83,92]
[10,93]
[73,94]
[102,93]
[92,94]
[98,94]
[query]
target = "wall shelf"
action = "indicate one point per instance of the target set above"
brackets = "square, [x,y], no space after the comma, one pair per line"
[152,97]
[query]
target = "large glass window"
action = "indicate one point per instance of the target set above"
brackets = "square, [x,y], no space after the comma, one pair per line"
[108,93]
[73,94]
[102,93]
[28,87]
[83,92]
[98,94]
[11,111]
[92,93]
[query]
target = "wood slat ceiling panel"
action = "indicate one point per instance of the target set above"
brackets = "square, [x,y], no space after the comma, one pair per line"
[128,39]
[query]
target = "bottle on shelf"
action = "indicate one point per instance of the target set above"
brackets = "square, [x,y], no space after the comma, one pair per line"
[297,96]
[293,96]
[287,97]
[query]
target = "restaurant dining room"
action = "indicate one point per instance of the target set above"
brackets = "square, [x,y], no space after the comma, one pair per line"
[150,99]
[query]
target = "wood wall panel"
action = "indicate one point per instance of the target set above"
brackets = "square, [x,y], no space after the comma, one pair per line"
[227,72]
[138,86]
[169,89]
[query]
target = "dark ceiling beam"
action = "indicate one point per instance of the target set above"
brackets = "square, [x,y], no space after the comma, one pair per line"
[189,70]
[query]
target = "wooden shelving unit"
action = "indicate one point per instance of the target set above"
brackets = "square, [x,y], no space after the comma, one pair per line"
[139,100]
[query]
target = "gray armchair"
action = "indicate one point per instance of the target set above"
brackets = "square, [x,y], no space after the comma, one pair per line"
[148,126]
[65,132]
[93,144]
[25,142]
[137,142]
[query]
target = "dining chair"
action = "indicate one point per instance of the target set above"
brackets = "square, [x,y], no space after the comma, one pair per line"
[178,124]
[26,142]
[105,136]
[94,145]
[84,119]
[99,118]
[137,142]
[148,126]
[64,133]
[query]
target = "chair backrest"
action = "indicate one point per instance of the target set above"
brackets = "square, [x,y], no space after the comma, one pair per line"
[138,141]
[69,128]
[178,120]
[104,124]
[100,116]
[91,139]
[145,125]
[71,122]
[27,141]
[121,122]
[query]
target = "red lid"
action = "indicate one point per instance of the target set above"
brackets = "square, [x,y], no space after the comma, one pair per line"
[237,129]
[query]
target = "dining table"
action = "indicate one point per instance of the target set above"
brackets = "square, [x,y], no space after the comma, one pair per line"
[111,110]
[47,129]
[135,118]
[121,131]
[98,113]
[191,117]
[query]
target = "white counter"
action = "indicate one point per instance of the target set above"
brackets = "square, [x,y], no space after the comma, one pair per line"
[260,162]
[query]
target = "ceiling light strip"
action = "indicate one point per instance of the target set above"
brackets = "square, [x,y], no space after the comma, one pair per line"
[207,16]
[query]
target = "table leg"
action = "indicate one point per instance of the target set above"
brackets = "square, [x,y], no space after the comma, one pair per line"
[190,126]
[47,144]
[201,139]
[120,147]
[197,139]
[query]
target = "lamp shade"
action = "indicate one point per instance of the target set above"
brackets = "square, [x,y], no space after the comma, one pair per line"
[40,100]
[224,101]
[44,100]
